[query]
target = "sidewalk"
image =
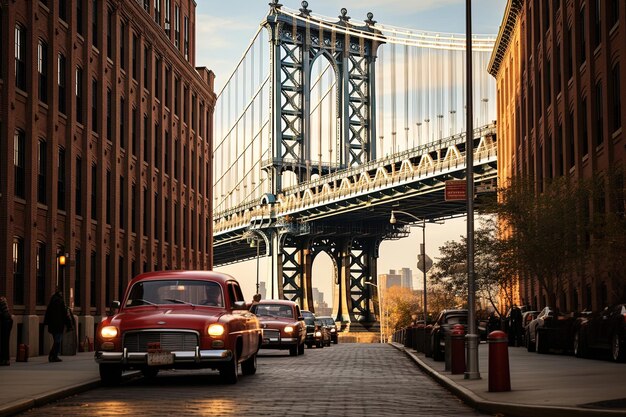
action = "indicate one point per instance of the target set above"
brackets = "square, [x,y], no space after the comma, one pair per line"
[541,384]
[24,385]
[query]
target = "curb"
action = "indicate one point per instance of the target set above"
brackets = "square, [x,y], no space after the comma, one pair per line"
[504,409]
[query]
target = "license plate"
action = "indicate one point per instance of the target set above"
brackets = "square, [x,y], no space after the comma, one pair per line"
[160,358]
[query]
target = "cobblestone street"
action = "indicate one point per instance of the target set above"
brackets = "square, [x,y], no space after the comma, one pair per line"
[344,380]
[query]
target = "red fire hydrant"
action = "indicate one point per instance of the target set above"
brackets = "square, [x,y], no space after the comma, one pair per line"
[499,377]
[457,349]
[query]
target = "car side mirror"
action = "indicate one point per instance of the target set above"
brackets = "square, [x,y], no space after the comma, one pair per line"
[300,318]
[115,307]
[240,305]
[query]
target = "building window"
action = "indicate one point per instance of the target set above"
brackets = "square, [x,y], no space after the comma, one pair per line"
[614,12]
[20,57]
[133,208]
[94,23]
[121,203]
[185,164]
[79,186]
[18,270]
[176,158]
[185,106]
[166,156]
[616,105]
[157,146]
[134,132]
[548,83]
[42,70]
[584,128]
[61,63]
[167,25]
[94,105]
[122,44]
[176,96]
[135,56]
[558,69]
[166,221]
[157,216]
[63,10]
[597,24]
[157,78]
[92,279]
[145,66]
[78,277]
[186,49]
[599,115]
[40,271]
[177,26]
[19,162]
[94,192]
[146,150]
[157,12]
[42,155]
[146,5]
[570,135]
[122,123]
[109,33]
[109,110]
[177,220]
[167,87]
[146,213]
[194,113]
[570,53]
[582,38]
[61,180]
[121,281]
[79,95]
[109,201]
[79,17]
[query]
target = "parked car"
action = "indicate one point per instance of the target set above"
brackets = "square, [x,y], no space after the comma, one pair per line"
[283,325]
[550,330]
[182,320]
[313,332]
[443,326]
[332,326]
[527,317]
[325,332]
[602,331]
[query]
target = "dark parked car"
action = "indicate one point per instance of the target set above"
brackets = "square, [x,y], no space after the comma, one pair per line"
[550,330]
[313,332]
[443,326]
[602,331]
[332,326]
[283,325]
[527,317]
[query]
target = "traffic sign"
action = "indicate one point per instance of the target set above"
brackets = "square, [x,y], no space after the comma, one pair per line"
[456,190]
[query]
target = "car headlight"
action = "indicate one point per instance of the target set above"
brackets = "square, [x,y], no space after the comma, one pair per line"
[108,332]
[215,329]
[333,330]
[318,334]
[288,329]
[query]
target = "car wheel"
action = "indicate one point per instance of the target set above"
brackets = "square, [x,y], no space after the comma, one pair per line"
[229,371]
[438,355]
[293,350]
[150,372]
[309,345]
[248,367]
[617,349]
[580,350]
[336,340]
[301,349]
[530,345]
[110,375]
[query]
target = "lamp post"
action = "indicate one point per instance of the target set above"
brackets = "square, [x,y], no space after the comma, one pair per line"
[380,298]
[254,243]
[392,220]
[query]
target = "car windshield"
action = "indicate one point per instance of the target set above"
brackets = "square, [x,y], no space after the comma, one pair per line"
[310,321]
[456,319]
[272,310]
[328,321]
[158,292]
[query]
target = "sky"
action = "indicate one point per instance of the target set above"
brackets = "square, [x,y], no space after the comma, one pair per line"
[225,28]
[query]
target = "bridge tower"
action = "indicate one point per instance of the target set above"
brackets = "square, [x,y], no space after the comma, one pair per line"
[296,42]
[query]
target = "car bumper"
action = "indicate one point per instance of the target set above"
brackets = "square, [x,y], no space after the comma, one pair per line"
[197,357]
[278,342]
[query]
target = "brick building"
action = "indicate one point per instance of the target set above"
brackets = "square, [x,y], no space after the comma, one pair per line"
[105,131]
[560,67]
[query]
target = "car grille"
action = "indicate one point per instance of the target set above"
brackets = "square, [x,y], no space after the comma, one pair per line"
[172,341]
[271,333]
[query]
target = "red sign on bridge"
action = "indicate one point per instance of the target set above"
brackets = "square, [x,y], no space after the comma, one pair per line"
[456,190]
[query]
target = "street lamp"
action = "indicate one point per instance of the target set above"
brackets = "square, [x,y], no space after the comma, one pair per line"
[392,220]
[254,243]
[380,307]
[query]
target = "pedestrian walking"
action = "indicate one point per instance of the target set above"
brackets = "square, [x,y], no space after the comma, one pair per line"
[6,324]
[57,318]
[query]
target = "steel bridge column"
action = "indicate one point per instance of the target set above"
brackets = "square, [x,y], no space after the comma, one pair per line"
[276,137]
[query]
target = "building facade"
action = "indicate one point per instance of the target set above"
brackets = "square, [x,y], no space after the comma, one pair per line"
[560,67]
[105,131]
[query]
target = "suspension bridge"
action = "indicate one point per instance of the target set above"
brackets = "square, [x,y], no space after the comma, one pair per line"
[327,124]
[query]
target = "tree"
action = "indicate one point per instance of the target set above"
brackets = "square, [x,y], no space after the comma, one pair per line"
[399,303]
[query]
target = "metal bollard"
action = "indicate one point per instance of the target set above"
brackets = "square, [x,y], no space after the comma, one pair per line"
[408,333]
[499,376]
[419,337]
[457,349]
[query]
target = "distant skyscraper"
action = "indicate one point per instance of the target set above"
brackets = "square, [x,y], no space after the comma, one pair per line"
[406,278]
[389,280]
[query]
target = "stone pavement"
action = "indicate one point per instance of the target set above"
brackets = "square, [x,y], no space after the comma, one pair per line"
[542,385]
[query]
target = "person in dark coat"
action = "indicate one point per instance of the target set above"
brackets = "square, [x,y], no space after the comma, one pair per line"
[57,319]
[6,324]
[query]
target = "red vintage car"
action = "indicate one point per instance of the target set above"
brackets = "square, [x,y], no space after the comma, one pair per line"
[182,320]
[283,325]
